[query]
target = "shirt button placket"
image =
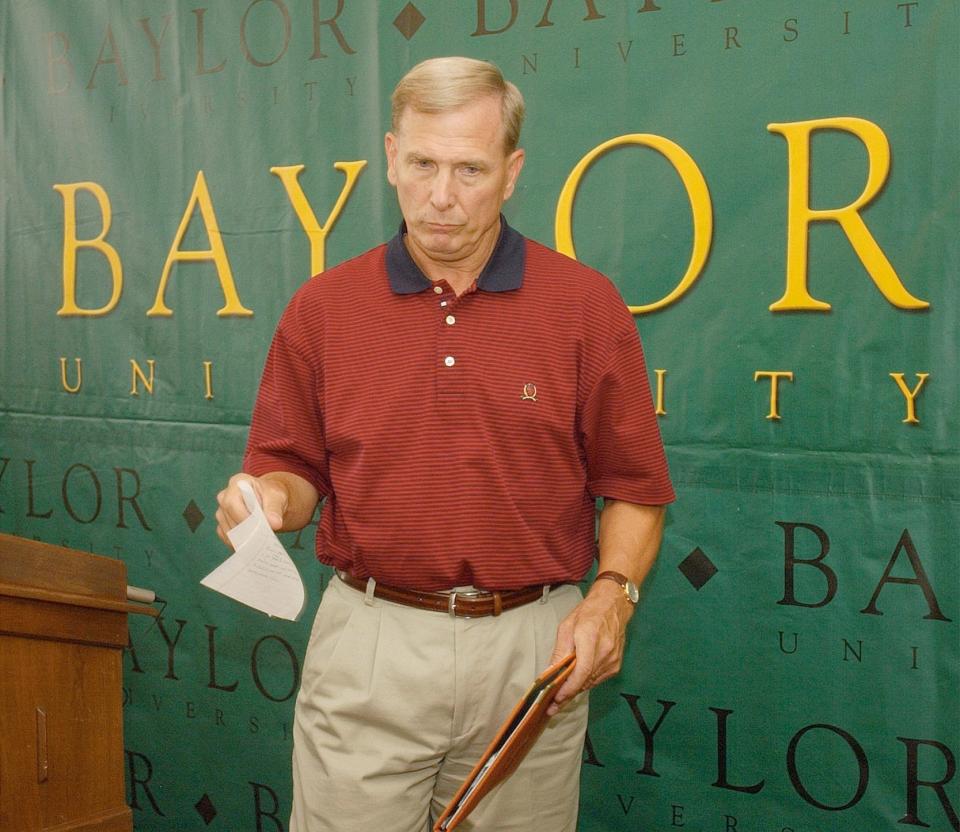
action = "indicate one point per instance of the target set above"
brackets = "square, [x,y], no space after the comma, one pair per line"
[447,344]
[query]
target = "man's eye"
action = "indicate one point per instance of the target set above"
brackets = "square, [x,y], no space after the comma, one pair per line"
[470,170]
[421,164]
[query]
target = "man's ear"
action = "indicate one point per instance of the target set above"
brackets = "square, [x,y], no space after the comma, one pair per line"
[390,148]
[514,166]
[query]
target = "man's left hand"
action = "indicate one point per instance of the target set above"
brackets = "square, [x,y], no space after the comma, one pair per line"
[596,631]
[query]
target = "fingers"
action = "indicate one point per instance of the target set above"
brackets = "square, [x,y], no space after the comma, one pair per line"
[232,509]
[574,638]
[598,678]
[596,634]
[585,668]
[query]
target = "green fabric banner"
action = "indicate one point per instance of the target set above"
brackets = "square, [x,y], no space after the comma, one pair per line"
[774,188]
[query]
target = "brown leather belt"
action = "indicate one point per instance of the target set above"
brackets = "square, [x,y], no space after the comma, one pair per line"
[470,604]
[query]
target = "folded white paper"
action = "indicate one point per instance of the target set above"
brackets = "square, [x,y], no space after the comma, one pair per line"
[259,573]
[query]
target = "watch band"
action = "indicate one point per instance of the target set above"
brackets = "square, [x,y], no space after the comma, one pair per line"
[630,591]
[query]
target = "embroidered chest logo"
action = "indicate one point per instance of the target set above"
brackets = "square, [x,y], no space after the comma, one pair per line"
[529,392]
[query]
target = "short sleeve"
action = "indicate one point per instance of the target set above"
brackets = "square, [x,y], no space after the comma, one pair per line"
[618,426]
[286,430]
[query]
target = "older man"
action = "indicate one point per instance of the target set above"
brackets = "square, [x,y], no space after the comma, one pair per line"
[460,396]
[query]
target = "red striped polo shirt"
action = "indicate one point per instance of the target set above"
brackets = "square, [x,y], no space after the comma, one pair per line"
[460,440]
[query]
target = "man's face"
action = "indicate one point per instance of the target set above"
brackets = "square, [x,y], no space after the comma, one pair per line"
[452,175]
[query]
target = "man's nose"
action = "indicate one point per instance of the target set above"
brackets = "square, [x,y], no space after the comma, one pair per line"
[442,193]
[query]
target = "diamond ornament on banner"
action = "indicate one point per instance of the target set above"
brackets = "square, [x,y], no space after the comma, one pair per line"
[697,568]
[206,809]
[409,21]
[193,515]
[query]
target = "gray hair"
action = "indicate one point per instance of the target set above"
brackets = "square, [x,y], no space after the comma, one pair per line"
[439,85]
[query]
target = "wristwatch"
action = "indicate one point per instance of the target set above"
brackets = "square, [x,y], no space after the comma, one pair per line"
[630,591]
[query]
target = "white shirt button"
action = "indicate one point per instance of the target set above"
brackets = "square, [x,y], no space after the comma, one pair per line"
[451,320]
[449,360]
[438,289]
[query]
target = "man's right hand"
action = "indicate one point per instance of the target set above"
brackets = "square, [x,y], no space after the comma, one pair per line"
[273,496]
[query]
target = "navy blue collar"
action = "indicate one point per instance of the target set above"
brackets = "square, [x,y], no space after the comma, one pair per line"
[503,272]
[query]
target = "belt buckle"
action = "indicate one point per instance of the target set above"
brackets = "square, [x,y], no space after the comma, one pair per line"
[452,599]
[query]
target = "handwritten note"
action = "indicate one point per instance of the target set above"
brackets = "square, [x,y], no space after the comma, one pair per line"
[259,573]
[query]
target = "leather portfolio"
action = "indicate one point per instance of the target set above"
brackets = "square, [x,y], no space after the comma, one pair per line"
[513,740]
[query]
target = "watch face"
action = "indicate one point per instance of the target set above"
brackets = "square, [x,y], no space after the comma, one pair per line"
[629,588]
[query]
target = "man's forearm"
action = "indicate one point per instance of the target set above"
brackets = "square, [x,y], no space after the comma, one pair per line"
[596,629]
[630,536]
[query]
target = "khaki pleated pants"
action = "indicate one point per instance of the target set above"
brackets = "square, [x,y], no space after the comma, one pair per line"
[396,705]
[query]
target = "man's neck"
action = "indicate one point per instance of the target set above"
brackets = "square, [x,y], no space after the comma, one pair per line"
[461,274]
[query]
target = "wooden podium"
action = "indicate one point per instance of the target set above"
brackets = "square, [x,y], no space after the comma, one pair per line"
[63,628]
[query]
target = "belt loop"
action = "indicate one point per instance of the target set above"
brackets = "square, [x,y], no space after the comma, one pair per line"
[497,603]
[546,594]
[452,604]
[371,588]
